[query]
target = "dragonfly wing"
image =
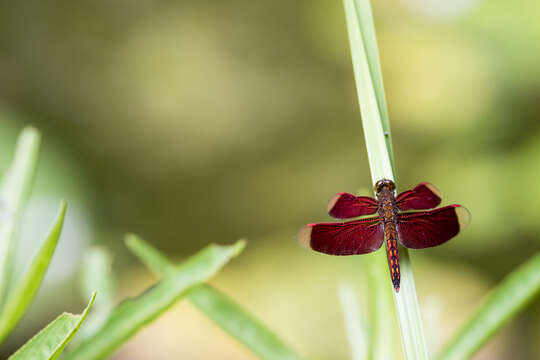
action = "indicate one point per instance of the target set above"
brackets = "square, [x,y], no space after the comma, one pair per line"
[423,196]
[345,205]
[423,229]
[349,238]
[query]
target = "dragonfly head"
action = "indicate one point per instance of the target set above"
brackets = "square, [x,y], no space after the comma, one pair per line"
[384,183]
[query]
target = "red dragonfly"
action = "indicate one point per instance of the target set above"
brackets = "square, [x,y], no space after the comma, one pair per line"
[413,229]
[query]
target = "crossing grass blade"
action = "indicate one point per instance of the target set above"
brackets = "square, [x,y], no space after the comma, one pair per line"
[133,314]
[517,290]
[223,311]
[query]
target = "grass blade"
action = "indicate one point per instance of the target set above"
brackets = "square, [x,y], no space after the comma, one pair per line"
[49,343]
[155,261]
[242,326]
[97,275]
[379,158]
[371,97]
[408,311]
[504,302]
[380,311]
[222,310]
[131,315]
[23,293]
[367,29]
[356,333]
[14,193]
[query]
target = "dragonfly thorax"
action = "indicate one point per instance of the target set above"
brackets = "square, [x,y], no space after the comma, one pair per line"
[387,208]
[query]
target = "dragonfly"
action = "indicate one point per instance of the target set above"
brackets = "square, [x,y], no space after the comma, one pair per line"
[394,223]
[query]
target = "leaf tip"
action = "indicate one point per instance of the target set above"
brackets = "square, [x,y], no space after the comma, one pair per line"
[90,303]
[92,298]
[131,240]
[238,246]
[31,132]
[63,205]
[62,211]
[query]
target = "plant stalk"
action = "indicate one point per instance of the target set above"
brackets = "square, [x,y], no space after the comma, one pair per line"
[370,91]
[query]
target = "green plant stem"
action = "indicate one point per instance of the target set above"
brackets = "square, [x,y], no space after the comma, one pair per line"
[377,134]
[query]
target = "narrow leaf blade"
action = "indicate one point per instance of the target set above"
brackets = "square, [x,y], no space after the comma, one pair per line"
[380,310]
[24,291]
[504,302]
[218,307]
[379,158]
[356,332]
[364,14]
[14,193]
[97,275]
[49,343]
[377,134]
[148,255]
[131,315]
[239,324]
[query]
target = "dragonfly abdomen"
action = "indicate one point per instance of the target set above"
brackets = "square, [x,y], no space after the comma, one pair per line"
[390,234]
[388,212]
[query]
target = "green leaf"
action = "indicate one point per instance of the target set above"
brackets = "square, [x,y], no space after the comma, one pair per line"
[131,315]
[218,307]
[380,311]
[377,134]
[14,193]
[238,323]
[97,275]
[365,21]
[49,343]
[517,290]
[355,329]
[157,263]
[379,158]
[23,292]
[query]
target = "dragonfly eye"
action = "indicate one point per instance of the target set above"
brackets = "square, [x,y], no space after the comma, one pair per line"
[384,183]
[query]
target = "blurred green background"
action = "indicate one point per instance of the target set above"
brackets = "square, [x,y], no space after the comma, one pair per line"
[190,122]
